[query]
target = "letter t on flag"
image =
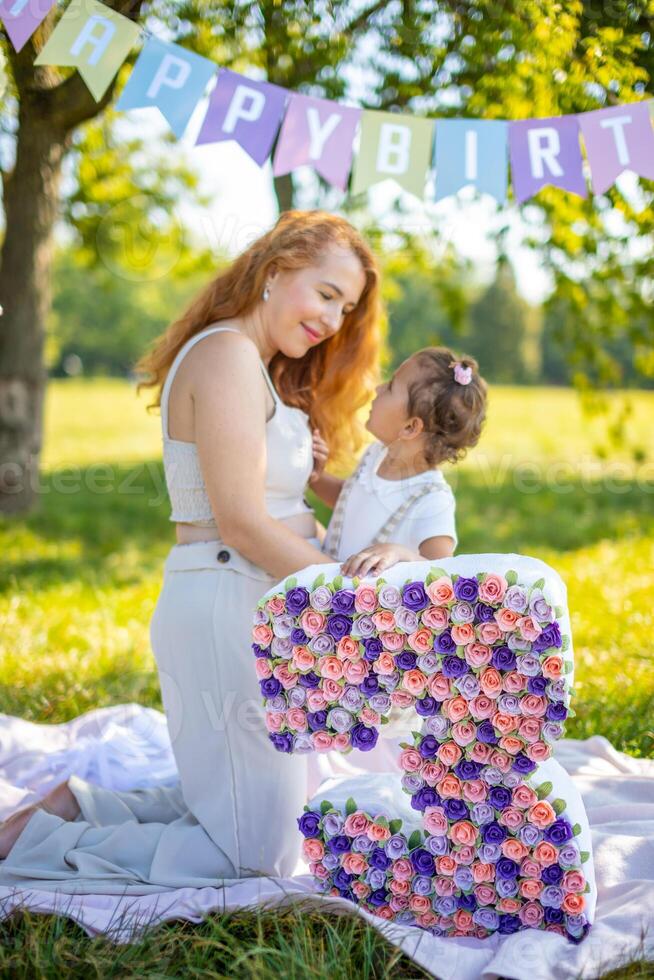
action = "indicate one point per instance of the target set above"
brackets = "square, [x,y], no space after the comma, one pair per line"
[92,38]
[22,17]
[170,77]
[617,139]
[318,132]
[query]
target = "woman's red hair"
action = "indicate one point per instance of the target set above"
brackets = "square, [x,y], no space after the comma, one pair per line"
[336,377]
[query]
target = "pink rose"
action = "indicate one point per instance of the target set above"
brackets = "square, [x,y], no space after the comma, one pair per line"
[480,752]
[392,641]
[545,853]
[464,732]
[450,787]
[348,649]
[504,723]
[321,741]
[360,889]
[523,796]
[475,790]
[303,659]
[528,628]
[427,919]
[482,706]
[331,689]
[384,912]
[534,705]
[402,869]
[500,760]
[355,864]
[276,605]
[529,868]
[378,833]
[542,814]
[478,654]
[384,664]
[365,599]
[444,886]
[485,894]
[573,881]
[421,641]
[383,620]
[440,591]
[435,821]
[401,699]
[330,667]
[355,672]
[511,744]
[410,760]
[463,634]
[312,622]
[531,888]
[449,753]
[370,717]
[538,751]
[319,870]
[274,721]
[489,633]
[531,914]
[445,865]
[312,848]
[439,687]
[529,729]
[296,719]
[514,682]
[465,854]
[284,676]
[431,772]
[506,619]
[340,741]
[415,682]
[262,635]
[262,668]
[492,589]
[315,700]
[356,823]
[435,618]
[399,902]
[512,818]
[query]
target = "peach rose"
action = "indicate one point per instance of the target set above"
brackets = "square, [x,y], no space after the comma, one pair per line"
[365,599]
[330,667]
[421,641]
[262,635]
[510,744]
[445,865]
[312,848]
[274,721]
[360,889]
[410,760]
[514,682]
[427,919]
[552,666]
[463,634]
[490,681]
[542,814]
[402,869]
[383,620]
[482,706]
[533,705]
[296,718]
[355,864]
[415,682]
[284,676]
[493,587]
[348,649]
[531,888]
[478,654]
[384,912]
[545,853]
[303,659]
[489,633]
[514,849]
[435,821]
[312,622]
[419,903]
[573,904]
[263,668]
[377,833]
[384,664]
[506,619]
[523,796]
[276,605]
[321,741]
[440,591]
[319,870]
[456,708]
[538,752]
[450,786]
[508,905]
[435,618]
[463,832]
[504,723]
[463,920]
[449,753]
[439,687]
[392,641]
[482,872]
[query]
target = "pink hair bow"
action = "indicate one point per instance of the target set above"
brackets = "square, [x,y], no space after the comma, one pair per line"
[462,374]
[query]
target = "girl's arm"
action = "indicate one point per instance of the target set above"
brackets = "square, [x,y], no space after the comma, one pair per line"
[327,488]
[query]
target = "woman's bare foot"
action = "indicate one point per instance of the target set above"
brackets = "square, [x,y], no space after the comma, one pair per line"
[59,801]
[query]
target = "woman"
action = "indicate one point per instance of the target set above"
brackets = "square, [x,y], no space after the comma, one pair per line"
[300,306]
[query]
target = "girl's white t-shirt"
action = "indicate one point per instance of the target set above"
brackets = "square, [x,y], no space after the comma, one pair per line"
[373,499]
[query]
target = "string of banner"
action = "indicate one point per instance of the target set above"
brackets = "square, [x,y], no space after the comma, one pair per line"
[318,132]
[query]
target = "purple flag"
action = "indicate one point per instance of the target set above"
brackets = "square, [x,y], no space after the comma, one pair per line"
[246,111]
[22,17]
[545,151]
[318,132]
[617,139]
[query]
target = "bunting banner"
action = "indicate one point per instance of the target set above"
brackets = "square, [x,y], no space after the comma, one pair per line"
[92,38]
[169,77]
[22,17]
[245,111]
[347,146]
[393,145]
[318,132]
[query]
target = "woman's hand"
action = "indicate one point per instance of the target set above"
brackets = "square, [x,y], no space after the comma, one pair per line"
[320,456]
[373,560]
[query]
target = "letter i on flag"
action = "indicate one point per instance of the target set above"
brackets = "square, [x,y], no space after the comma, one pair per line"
[93,39]
[546,151]
[472,151]
[22,17]
[245,111]
[318,132]
[170,77]
[393,145]
[617,139]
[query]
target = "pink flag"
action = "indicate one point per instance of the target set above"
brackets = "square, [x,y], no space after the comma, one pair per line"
[317,132]
[617,139]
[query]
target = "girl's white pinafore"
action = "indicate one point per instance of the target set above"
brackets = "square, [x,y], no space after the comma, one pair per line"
[234,812]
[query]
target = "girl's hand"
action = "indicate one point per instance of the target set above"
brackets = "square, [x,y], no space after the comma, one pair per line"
[373,560]
[320,456]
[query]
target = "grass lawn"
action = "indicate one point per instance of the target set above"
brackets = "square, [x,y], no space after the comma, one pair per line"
[79,580]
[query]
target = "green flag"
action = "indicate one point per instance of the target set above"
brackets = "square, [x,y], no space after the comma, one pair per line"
[393,145]
[93,39]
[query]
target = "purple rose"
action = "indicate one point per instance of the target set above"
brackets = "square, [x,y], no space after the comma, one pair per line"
[550,637]
[309,680]
[536,685]
[342,879]
[298,636]
[427,706]
[467,902]
[481,812]
[317,720]
[454,667]
[552,895]
[375,878]
[422,861]
[283,741]
[455,809]
[378,859]
[552,874]
[559,832]
[414,596]
[530,834]
[503,658]
[427,796]
[444,642]
[297,600]
[554,915]
[396,846]
[463,877]
[436,845]
[506,868]
[369,685]
[270,687]
[467,769]
[428,747]
[509,924]
[489,853]
[363,738]
[378,897]
[343,601]
[556,712]
[309,823]
[521,763]
[499,797]
[466,588]
[260,651]
[373,647]
[340,844]
[339,626]
[486,918]
[484,613]
[486,732]
[493,833]
[332,824]
[422,885]
[405,660]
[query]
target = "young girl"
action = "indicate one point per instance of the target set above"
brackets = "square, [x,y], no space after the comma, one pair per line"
[397,505]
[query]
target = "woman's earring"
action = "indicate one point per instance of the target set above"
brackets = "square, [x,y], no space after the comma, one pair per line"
[266,294]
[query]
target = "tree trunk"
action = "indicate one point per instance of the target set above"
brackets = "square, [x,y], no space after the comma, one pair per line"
[31,202]
[284,191]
